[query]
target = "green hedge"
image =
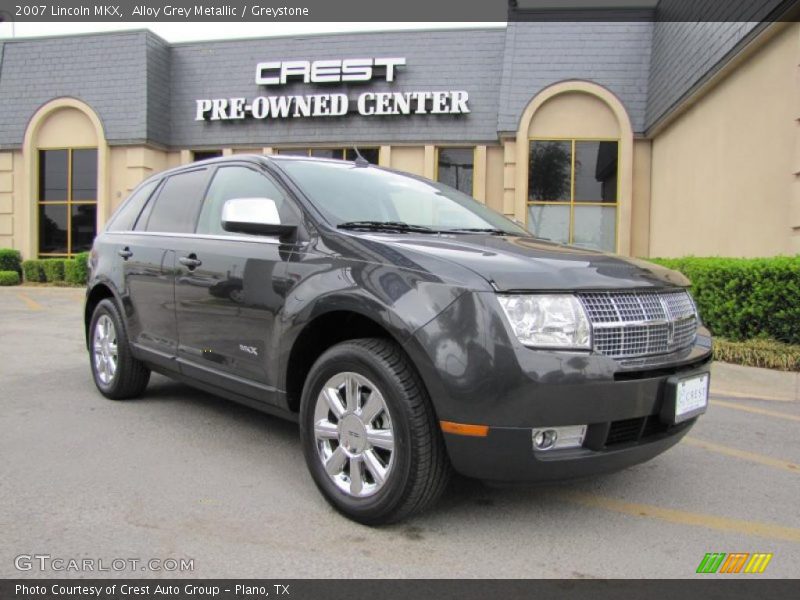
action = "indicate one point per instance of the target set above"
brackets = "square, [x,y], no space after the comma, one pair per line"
[53,269]
[33,270]
[76,270]
[9,278]
[745,298]
[10,260]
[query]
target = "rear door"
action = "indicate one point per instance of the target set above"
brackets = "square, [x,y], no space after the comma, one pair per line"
[226,296]
[148,254]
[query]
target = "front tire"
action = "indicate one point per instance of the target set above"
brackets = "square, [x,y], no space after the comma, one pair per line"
[117,374]
[369,434]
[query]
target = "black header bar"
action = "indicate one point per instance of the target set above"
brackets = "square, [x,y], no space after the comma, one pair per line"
[712,588]
[188,11]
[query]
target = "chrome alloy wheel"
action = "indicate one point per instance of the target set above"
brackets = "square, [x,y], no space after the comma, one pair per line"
[354,435]
[105,349]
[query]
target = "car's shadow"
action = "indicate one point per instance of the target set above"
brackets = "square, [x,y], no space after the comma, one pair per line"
[162,389]
[469,498]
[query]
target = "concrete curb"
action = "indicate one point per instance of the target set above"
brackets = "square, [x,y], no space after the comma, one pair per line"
[751,382]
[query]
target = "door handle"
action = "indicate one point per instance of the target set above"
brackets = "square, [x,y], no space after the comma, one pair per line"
[125,253]
[191,261]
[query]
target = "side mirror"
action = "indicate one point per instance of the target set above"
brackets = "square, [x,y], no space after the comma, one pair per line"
[258,216]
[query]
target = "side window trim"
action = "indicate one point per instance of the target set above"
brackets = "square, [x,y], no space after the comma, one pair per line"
[211,172]
[148,207]
[131,198]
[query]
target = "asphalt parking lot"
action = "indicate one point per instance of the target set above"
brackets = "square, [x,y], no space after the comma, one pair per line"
[182,474]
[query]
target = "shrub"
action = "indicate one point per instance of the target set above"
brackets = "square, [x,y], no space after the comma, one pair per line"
[76,271]
[745,298]
[82,267]
[53,269]
[10,260]
[33,270]
[9,278]
[71,275]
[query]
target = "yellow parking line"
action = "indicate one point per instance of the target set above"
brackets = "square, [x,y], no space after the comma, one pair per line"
[755,410]
[715,393]
[683,517]
[744,455]
[29,302]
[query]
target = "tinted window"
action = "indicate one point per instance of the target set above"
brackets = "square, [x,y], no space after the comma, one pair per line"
[595,171]
[53,228]
[83,218]
[239,182]
[125,217]
[84,174]
[206,154]
[326,153]
[455,168]
[53,174]
[549,171]
[368,154]
[293,151]
[176,207]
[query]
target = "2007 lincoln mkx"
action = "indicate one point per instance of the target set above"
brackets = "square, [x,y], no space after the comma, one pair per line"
[409,329]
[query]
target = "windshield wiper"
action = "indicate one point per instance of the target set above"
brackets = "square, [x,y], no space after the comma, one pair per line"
[386,226]
[490,230]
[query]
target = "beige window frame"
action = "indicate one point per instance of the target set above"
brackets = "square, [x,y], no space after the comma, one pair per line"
[572,203]
[68,201]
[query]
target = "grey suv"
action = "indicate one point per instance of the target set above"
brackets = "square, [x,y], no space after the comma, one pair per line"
[409,329]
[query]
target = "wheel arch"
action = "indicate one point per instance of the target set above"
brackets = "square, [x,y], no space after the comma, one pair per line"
[332,327]
[99,292]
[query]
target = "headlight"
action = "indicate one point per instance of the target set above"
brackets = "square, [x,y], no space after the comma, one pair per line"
[548,321]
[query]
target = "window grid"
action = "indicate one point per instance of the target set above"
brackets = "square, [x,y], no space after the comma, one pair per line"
[68,201]
[309,151]
[572,203]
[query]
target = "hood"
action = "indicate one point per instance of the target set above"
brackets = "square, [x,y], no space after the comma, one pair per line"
[523,263]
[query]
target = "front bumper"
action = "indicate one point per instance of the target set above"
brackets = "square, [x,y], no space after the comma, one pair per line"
[506,454]
[480,375]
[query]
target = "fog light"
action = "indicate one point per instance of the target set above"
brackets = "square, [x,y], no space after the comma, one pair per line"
[549,438]
[544,439]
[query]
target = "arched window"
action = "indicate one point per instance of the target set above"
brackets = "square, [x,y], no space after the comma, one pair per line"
[573,167]
[65,157]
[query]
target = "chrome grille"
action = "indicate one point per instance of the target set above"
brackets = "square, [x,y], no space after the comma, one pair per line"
[634,324]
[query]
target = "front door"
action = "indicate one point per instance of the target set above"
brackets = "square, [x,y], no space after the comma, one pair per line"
[227,289]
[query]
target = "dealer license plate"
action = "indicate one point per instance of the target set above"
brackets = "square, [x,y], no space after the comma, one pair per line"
[691,397]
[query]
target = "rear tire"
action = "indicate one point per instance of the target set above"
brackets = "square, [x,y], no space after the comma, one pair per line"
[117,374]
[369,433]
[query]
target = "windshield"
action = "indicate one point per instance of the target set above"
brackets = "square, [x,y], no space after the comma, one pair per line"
[345,193]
